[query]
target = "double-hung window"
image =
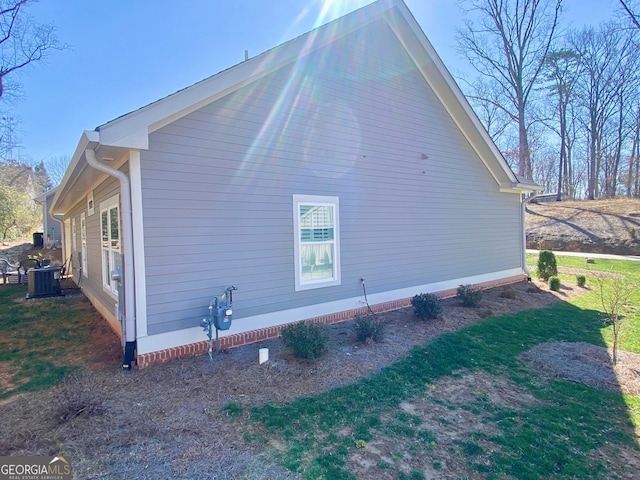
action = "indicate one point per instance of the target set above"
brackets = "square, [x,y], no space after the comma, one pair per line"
[110,231]
[316,245]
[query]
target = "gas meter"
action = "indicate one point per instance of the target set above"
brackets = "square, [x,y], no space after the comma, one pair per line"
[220,316]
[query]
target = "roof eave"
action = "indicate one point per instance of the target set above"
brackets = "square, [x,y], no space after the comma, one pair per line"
[89,138]
[43,196]
[519,187]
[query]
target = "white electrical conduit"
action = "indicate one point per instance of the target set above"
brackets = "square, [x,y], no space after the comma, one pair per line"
[127,234]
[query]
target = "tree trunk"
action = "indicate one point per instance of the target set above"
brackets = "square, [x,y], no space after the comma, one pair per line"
[613,184]
[563,155]
[524,155]
[637,175]
[633,158]
[591,171]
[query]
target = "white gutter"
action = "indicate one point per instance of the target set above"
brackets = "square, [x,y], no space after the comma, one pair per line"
[128,274]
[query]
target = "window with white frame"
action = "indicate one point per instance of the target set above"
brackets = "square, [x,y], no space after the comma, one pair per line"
[110,233]
[316,245]
[83,238]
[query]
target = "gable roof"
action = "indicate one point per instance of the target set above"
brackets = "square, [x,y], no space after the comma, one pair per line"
[131,131]
[43,196]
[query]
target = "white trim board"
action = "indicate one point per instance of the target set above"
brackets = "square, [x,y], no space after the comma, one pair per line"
[154,343]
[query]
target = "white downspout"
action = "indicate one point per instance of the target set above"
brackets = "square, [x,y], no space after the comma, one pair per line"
[127,234]
[523,216]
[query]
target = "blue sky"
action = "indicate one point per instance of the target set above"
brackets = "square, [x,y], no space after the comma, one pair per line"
[124,54]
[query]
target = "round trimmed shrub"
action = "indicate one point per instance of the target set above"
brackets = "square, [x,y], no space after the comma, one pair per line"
[554,283]
[469,295]
[368,328]
[306,339]
[581,280]
[426,306]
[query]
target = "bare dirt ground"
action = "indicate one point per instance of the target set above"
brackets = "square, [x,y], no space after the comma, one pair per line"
[168,421]
[597,226]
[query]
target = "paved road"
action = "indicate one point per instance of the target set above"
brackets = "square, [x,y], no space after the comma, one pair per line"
[593,255]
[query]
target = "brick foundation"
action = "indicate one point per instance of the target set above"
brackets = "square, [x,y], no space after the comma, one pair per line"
[238,339]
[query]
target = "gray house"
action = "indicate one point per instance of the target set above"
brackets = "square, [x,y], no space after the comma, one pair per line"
[52,225]
[348,153]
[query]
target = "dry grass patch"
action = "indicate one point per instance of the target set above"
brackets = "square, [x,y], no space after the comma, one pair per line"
[452,423]
[588,364]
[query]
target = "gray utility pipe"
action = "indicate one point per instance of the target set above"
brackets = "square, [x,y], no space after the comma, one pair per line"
[127,234]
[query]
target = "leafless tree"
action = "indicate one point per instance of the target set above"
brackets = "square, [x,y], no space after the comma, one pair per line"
[606,55]
[633,173]
[631,13]
[56,168]
[22,40]
[561,72]
[509,43]
[615,298]
[486,97]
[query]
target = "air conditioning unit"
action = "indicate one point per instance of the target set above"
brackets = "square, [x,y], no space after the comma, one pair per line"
[44,282]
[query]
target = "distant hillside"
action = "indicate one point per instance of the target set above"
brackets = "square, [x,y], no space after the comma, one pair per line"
[596,226]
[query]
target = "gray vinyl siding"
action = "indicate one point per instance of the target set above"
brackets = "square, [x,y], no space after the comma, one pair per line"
[93,282]
[351,120]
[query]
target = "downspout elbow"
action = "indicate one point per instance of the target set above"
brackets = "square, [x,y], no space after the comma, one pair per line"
[128,270]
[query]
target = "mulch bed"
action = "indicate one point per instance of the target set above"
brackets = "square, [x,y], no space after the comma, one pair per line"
[589,364]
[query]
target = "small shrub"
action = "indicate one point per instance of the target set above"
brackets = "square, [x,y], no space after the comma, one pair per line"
[469,295]
[426,306]
[554,283]
[632,232]
[306,339]
[581,280]
[547,265]
[368,328]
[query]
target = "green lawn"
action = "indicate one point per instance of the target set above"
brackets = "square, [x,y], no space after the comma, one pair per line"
[562,430]
[569,431]
[38,338]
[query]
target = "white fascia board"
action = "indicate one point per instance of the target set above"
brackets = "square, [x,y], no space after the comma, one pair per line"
[447,90]
[516,187]
[89,138]
[122,136]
